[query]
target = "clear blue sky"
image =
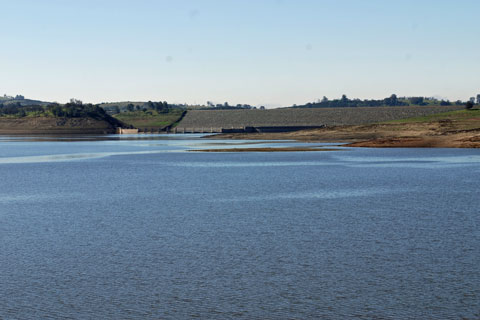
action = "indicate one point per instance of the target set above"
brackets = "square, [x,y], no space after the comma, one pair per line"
[262,52]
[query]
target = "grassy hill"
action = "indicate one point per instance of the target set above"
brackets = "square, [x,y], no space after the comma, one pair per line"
[150,119]
[54,118]
[462,119]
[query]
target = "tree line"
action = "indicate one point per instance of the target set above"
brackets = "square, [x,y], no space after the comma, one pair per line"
[160,106]
[73,109]
[16,109]
[164,107]
[392,101]
[227,106]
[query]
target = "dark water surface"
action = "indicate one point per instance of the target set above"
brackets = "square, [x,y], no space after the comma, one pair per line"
[139,229]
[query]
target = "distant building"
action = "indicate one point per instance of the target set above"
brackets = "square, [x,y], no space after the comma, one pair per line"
[126,131]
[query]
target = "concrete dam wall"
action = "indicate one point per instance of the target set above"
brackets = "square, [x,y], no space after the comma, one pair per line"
[223,120]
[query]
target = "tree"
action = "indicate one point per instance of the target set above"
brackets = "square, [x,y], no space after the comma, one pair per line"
[130,107]
[76,101]
[324,99]
[469,105]
[11,108]
[57,111]
[417,101]
[478,98]
[472,100]
[392,101]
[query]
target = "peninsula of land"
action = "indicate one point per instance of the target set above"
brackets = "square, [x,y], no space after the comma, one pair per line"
[455,129]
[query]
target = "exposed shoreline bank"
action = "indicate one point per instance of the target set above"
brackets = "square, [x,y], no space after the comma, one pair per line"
[457,129]
[434,134]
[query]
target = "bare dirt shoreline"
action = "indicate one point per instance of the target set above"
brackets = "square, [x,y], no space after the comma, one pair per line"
[435,134]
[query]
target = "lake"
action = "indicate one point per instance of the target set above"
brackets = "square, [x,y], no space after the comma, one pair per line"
[138,227]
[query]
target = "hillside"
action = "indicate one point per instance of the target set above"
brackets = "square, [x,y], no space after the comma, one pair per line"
[53,125]
[22,102]
[150,120]
[56,119]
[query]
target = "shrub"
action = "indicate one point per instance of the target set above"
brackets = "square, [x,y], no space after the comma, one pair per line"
[469,105]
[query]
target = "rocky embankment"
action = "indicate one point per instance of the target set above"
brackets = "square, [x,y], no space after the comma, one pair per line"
[302,117]
[51,125]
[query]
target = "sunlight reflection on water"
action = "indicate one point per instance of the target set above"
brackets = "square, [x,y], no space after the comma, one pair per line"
[322,194]
[69,157]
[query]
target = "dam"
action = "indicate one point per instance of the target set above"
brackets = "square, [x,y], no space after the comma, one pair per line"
[293,119]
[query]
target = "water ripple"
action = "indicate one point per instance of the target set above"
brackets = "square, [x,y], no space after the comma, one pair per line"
[73,156]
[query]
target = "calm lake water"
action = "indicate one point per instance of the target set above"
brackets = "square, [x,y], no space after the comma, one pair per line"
[120,228]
